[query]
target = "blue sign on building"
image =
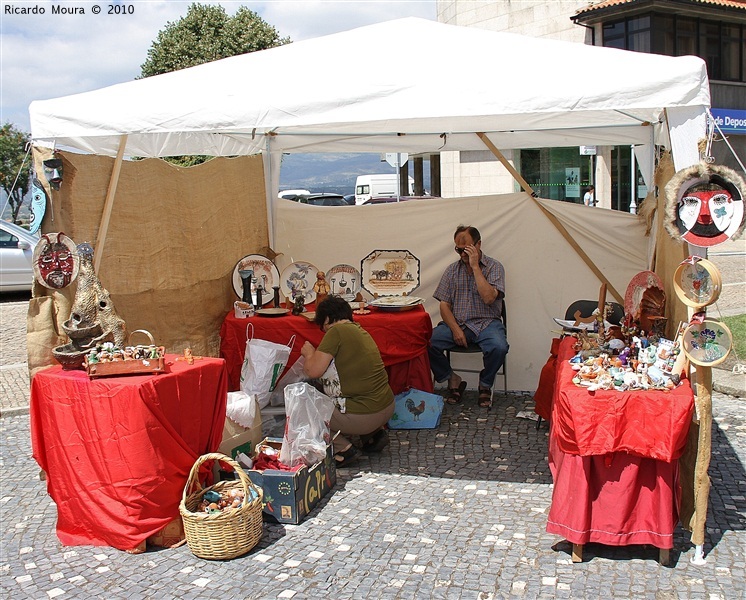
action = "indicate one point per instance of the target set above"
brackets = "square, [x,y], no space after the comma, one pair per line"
[730,120]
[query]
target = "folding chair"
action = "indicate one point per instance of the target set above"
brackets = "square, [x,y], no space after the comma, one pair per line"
[474,349]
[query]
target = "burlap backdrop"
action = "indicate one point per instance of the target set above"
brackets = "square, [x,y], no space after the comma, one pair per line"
[174,237]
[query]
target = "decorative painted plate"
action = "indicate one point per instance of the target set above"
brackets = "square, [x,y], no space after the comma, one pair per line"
[344,281]
[638,285]
[707,343]
[390,272]
[697,282]
[299,278]
[265,274]
[272,312]
[396,303]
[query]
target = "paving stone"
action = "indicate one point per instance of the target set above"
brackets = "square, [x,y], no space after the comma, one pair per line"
[479,486]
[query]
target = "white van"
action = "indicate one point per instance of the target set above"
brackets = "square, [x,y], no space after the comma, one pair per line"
[382,185]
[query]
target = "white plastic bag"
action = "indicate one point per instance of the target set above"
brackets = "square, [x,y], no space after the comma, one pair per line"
[307,425]
[263,364]
[241,408]
[295,374]
[330,381]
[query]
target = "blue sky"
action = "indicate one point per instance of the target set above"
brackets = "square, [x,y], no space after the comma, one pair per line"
[51,55]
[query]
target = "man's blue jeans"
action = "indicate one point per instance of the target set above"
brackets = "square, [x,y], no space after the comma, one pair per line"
[492,341]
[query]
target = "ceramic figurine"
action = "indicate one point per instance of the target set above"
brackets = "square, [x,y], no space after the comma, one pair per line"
[298,306]
[321,287]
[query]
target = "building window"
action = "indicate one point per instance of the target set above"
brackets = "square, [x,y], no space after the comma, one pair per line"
[730,53]
[721,45]
[615,35]
[638,34]
[686,37]
[557,173]
[664,40]
[709,48]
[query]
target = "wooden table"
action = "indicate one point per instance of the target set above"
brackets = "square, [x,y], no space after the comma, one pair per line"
[614,459]
[117,451]
[401,337]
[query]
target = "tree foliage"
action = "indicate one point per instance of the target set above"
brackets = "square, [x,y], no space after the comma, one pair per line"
[207,33]
[15,178]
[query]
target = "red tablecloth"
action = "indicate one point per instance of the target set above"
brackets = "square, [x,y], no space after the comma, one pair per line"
[613,497]
[117,451]
[402,338]
[651,424]
[545,389]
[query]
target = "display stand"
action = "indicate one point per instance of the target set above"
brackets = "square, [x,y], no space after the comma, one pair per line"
[614,461]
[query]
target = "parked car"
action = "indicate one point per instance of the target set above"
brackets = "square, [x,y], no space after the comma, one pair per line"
[350,198]
[292,194]
[16,252]
[387,199]
[323,199]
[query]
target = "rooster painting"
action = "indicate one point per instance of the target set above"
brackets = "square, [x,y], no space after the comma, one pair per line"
[415,409]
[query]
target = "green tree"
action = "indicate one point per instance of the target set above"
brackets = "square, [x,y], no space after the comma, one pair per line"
[206,34]
[15,178]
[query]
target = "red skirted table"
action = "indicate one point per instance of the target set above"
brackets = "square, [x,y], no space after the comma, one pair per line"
[117,451]
[614,460]
[402,338]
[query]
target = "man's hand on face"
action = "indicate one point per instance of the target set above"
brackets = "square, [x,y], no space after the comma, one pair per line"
[473,254]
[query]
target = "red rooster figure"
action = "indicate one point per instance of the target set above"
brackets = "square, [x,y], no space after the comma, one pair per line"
[415,409]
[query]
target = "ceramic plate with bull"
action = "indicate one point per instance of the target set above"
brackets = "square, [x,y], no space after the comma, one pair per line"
[390,272]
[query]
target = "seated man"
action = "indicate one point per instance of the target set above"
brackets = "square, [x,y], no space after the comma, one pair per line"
[471,294]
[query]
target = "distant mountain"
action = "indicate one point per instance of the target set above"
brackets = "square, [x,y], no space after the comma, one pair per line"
[333,172]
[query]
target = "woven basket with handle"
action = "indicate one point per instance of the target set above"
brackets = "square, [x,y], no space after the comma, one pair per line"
[226,534]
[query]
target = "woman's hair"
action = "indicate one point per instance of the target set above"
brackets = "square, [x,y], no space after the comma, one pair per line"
[334,308]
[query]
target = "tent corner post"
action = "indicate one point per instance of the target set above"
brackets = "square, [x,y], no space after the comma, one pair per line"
[108,204]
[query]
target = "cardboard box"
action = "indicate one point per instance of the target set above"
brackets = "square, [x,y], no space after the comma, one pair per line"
[290,495]
[415,409]
[237,438]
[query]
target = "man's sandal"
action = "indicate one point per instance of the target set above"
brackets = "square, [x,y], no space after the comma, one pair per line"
[485,397]
[454,394]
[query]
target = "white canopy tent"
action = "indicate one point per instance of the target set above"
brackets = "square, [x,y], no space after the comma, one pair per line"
[413,86]
[291,99]
[409,85]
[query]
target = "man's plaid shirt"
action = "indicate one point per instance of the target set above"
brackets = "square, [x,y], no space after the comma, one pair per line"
[459,289]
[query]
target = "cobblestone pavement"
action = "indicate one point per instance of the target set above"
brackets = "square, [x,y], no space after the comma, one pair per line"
[14,383]
[457,512]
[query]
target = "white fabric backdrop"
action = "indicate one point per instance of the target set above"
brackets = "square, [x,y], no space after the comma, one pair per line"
[543,273]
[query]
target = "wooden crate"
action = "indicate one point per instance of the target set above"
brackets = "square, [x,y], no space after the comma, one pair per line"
[140,366]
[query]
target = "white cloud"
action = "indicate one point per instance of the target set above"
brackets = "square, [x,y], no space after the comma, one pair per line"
[47,56]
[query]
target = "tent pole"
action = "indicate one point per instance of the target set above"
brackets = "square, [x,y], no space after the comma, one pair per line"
[561,228]
[580,252]
[499,155]
[108,203]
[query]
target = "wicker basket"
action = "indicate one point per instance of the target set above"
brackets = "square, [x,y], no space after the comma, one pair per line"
[226,534]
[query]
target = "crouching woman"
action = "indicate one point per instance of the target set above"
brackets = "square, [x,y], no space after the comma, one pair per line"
[369,401]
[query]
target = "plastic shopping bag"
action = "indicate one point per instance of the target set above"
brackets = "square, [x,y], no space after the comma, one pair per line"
[330,381]
[263,364]
[307,426]
[295,374]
